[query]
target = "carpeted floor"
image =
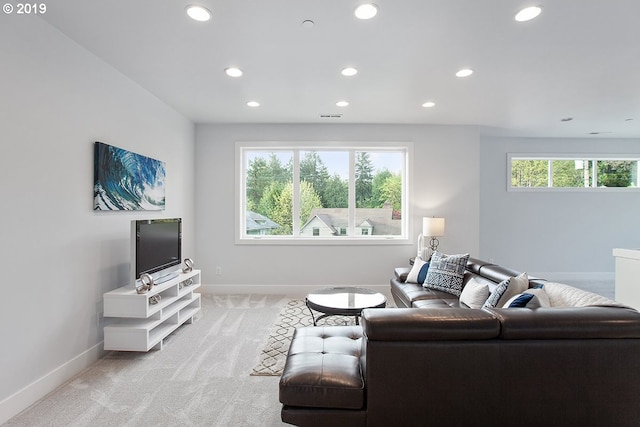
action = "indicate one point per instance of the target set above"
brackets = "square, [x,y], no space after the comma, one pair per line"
[200,378]
[204,376]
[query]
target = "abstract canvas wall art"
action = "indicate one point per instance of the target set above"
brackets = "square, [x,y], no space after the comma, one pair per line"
[127,181]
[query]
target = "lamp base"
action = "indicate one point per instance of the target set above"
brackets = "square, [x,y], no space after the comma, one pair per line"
[433,244]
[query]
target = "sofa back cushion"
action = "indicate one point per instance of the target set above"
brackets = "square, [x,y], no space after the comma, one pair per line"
[497,273]
[567,323]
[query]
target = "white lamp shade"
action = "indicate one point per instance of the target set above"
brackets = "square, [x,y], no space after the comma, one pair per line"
[432,227]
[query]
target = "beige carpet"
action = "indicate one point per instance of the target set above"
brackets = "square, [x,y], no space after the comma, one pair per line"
[199,378]
[294,314]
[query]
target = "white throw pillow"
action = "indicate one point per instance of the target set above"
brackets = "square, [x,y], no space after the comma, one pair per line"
[542,296]
[517,285]
[474,294]
[523,300]
[418,272]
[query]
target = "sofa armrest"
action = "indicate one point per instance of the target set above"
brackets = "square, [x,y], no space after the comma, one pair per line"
[401,273]
[428,324]
[567,323]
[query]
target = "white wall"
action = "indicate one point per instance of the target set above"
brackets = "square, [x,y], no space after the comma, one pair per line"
[445,176]
[57,255]
[557,234]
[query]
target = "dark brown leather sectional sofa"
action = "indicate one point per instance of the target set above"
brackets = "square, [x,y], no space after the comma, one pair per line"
[437,363]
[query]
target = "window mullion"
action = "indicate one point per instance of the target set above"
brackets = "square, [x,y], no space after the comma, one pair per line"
[296,194]
[242,178]
[351,227]
[550,173]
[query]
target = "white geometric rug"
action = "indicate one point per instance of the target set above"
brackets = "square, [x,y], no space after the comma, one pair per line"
[294,314]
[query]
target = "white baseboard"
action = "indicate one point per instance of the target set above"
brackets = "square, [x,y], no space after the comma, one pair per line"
[576,276]
[302,290]
[289,290]
[22,399]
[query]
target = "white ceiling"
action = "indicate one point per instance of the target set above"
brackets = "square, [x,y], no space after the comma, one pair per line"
[579,58]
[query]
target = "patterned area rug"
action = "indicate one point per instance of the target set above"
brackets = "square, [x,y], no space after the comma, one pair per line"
[294,314]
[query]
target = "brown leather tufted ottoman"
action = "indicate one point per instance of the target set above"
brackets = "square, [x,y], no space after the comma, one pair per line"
[323,370]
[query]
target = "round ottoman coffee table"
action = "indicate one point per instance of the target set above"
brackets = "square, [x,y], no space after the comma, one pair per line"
[346,301]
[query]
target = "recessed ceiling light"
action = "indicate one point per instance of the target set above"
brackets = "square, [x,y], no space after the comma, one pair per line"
[198,13]
[566,119]
[342,103]
[528,13]
[366,11]
[233,72]
[465,72]
[349,71]
[308,23]
[253,104]
[429,104]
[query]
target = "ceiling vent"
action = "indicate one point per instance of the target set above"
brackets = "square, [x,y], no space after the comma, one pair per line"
[330,116]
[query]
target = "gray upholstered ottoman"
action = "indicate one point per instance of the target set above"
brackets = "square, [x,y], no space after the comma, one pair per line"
[323,370]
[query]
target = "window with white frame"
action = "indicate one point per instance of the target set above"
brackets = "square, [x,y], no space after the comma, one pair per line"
[536,172]
[322,192]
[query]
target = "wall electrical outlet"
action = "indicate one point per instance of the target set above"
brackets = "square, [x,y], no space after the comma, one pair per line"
[218,271]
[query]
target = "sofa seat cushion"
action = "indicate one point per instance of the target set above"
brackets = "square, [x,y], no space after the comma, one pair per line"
[446,302]
[323,368]
[405,293]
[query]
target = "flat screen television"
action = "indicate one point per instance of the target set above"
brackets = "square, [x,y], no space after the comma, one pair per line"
[156,248]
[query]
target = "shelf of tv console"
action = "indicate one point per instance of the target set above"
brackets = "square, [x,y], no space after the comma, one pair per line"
[139,324]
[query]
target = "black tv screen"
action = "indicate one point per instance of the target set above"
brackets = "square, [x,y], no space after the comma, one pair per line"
[158,245]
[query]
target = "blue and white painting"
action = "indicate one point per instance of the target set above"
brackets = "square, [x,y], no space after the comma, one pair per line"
[126,181]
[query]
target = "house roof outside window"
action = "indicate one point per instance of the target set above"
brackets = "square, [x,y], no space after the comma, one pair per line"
[382,221]
[256,222]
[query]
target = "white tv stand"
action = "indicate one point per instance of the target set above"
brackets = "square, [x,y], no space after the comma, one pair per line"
[139,324]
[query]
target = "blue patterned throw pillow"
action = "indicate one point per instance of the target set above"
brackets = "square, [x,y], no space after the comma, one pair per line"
[418,272]
[446,273]
[497,293]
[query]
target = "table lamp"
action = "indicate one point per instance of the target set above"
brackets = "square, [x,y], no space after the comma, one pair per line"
[433,228]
